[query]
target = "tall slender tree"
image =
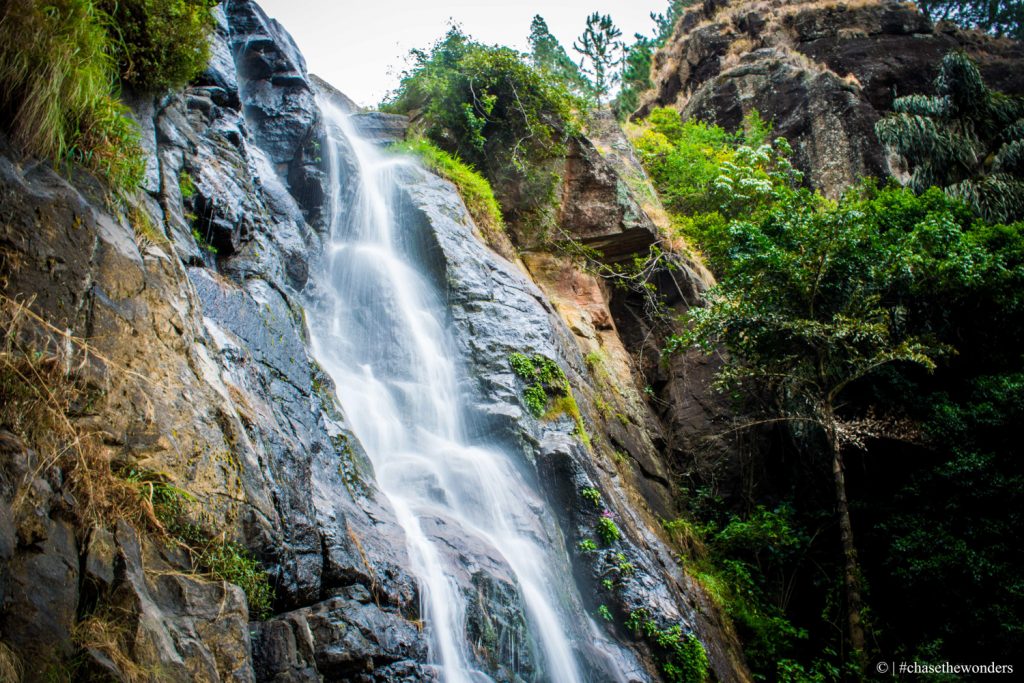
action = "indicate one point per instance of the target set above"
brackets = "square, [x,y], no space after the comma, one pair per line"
[602,52]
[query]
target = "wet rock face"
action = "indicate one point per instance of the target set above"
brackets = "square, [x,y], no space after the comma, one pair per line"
[823,72]
[495,311]
[213,385]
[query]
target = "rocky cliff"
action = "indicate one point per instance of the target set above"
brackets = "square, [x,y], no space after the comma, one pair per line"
[822,72]
[182,312]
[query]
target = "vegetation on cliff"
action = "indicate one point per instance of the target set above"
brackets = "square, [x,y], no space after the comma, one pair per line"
[966,139]
[63,62]
[487,106]
[849,325]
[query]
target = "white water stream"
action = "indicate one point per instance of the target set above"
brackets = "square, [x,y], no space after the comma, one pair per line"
[381,337]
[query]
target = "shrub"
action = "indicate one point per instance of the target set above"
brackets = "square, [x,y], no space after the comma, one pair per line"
[591,494]
[162,43]
[494,111]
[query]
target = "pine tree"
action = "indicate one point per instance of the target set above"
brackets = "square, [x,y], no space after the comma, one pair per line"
[967,139]
[602,50]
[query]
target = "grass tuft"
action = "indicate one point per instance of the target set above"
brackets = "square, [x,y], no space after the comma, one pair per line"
[476,191]
[57,89]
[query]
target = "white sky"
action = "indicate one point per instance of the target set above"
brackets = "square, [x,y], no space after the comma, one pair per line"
[360,46]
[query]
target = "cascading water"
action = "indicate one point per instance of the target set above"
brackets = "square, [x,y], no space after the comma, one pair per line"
[381,337]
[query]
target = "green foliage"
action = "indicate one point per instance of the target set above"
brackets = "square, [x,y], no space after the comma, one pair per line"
[605,613]
[636,76]
[548,55]
[492,110]
[202,242]
[682,657]
[587,546]
[601,52]
[547,393]
[1001,17]
[607,531]
[811,298]
[58,89]
[636,65]
[160,44]
[967,139]
[475,190]
[959,523]
[225,560]
[707,176]
[231,562]
[591,494]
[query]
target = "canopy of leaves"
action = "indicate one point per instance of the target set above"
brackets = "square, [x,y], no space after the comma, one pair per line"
[813,296]
[966,139]
[1002,17]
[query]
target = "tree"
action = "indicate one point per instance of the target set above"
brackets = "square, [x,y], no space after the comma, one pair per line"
[966,139]
[1001,17]
[636,67]
[813,299]
[601,52]
[548,55]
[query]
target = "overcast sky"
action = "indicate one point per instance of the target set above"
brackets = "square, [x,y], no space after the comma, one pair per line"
[360,46]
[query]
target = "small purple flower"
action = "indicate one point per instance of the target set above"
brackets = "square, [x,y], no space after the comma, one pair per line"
[608,514]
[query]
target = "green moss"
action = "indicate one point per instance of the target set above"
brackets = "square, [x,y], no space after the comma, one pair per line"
[604,612]
[587,546]
[186,185]
[591,494]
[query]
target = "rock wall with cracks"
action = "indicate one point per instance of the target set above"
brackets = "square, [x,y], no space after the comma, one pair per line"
[208,380]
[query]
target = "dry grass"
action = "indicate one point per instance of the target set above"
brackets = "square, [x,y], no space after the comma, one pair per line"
[107,633]
[11,669]
[48,381]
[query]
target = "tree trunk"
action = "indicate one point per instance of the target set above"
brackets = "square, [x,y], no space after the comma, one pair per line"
[851,574]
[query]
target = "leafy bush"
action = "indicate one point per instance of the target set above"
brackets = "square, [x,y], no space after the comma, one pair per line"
[682,657]
[162,44]
[707,176]
[57,89]
[476,192]
[492,110]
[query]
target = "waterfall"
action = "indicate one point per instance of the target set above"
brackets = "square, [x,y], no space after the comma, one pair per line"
[381,336]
